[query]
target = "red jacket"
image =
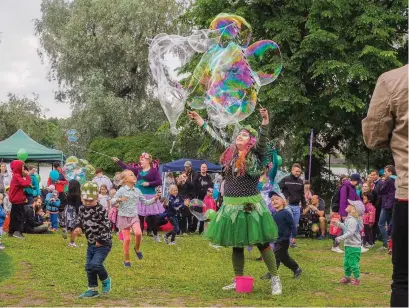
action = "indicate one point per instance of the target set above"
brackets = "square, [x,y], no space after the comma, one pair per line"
[18,183]
[60,183]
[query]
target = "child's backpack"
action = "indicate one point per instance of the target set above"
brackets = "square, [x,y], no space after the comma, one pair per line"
[334,229]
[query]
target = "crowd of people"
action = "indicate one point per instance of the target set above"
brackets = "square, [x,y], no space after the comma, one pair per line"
[360,213]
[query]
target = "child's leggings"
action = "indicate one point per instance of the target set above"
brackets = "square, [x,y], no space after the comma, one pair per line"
[127,239]
[266,252]
[351,261]
[54,220]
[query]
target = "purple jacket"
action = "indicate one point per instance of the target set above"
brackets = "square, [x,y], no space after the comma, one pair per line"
[152,177]
[387,192]
[347,192]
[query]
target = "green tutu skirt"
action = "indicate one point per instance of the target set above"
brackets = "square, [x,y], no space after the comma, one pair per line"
[242,221]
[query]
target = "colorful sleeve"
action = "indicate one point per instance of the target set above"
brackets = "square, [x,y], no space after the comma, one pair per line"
[214,135]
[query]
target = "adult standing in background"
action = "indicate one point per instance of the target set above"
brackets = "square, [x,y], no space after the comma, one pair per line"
[102,179]
[5,177]
[376,201]
[386,125]
[292,186]
[203,183]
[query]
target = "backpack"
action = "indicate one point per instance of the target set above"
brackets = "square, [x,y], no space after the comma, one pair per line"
[112,215]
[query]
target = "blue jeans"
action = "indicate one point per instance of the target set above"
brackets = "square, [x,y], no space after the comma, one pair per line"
[54,221]
[95,264]
[296,211]
[175,223]
[385,218]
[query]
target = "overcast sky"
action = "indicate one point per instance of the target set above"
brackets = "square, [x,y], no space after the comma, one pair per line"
[21,70]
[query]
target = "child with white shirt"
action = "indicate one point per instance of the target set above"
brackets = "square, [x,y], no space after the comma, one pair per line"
[126,200]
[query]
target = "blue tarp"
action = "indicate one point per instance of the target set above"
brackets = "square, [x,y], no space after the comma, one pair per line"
[178,166]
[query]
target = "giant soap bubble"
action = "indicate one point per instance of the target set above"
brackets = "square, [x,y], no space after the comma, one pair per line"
[227,78]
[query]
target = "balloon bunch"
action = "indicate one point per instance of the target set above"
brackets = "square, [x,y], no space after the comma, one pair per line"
[78,169]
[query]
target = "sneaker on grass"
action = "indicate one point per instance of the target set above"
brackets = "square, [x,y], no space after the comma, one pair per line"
[337,250]
[106,285]
[231,286]
[89,294]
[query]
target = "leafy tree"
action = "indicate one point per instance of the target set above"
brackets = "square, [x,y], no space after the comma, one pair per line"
[333,52]
[99,55]
[26,113]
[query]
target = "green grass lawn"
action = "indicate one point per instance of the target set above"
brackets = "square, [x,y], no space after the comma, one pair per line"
[42,271]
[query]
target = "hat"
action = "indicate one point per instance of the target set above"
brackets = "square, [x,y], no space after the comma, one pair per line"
[275,193]
[51,188]
[251,130]
[89,191]
[358,205]
[188,163]
[355,177]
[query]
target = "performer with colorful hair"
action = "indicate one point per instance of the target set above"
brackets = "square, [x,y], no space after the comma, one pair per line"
[244,218]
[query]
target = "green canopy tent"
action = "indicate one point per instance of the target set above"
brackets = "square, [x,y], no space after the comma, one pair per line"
[36,152]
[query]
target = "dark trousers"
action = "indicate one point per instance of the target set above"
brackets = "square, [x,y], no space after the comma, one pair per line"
[16,218]
[376,233]
[399,297]
[175,223]
[195,222]
[95,264]
[30,199]
[183,223]
[368,238]
[282,256]
[152,222]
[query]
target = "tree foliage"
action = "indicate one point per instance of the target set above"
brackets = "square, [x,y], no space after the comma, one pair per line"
[333,52]
[99,55]
[26,113]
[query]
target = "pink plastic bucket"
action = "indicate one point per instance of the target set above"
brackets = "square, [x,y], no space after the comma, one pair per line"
[244,284]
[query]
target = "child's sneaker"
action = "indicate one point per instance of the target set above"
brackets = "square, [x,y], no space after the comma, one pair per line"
[355,282]
[127,264]
[266,276]
[172,243]
[73,245]
[363,249]
[106,286]
[297,273]
[231,286]
[2,246]
[276,288]
[345,280]
[18,234]
[156,238]
[166,239]
[89,294]
[337,250]
[139,254]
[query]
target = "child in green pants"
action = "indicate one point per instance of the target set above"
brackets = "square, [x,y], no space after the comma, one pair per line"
[352,236]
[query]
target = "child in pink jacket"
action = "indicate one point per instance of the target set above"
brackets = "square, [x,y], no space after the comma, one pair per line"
[369,220]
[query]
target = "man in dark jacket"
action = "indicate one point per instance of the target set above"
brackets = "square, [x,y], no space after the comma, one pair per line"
[202,184]
[387,193]
[293,189]
[31,225]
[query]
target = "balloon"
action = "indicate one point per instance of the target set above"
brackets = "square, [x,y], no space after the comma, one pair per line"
[198,209]
[227,78]
[72,159]
[72,135]
[22,154]
[211,214]
[279,160]
[54,175]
